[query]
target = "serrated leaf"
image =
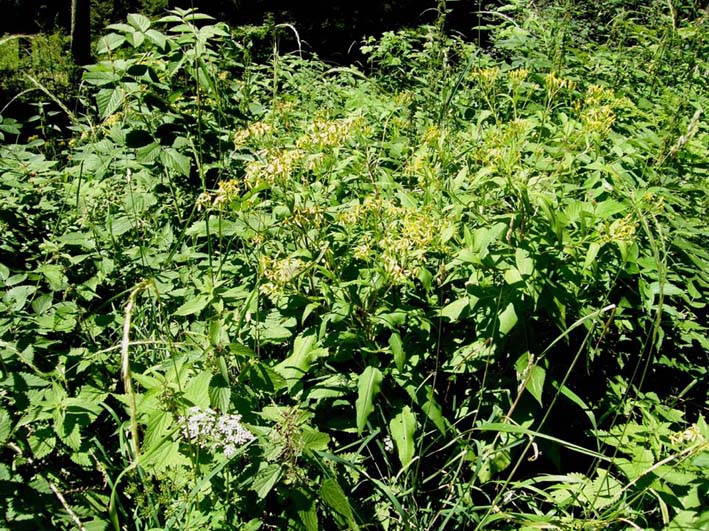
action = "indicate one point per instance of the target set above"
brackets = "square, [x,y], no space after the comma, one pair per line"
[219,393]
[193,306]
[175,161]
[403,428]
[157,38]
[139,22]
[197,390]
[42,443]
[313,439]
[135,38]
[82,459]
[368,386]
[110,42]
[5,426]
[109,101]
[265,479]
[334,497]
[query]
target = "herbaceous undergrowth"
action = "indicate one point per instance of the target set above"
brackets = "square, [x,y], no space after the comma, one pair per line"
[464,290]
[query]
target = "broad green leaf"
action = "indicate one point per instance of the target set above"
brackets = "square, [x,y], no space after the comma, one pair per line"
[294,367]
[313,439]
[397,350]
[5,426]
[197,390]
[193,305]
[508,319]
[175,161]
[531,373]
[157,38]
[109,101]
[306,507]
[591,254]
[110,42]
[484,236]
[334,497]
[135,38]
[42,303]
[139,22]
[369,384]
[266,478]
[219,393]
[403,428]
[453,310]
[535,384]
[433,410]
[525,264]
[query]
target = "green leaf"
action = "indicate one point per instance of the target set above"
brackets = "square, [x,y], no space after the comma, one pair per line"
[194,305]
[334,497]
[219,393]
[525,265]
[295,366]
[313,439]
[5,426]
[508,319]
[531,373]
[535,385]
[139,22]
[110,42]
[397,350]
[369,384]
[197,391]
[403,428]
[109,101]
[453,310]
[266,478]
[157,38]
[175,161]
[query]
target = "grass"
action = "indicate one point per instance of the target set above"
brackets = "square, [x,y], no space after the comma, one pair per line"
[462,289]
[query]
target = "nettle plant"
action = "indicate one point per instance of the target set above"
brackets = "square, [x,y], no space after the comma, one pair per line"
[285,295]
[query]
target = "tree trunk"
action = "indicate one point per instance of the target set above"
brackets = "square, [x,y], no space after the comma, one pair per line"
[81,31]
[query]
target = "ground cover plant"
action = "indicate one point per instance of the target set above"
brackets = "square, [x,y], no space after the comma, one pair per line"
[465,289]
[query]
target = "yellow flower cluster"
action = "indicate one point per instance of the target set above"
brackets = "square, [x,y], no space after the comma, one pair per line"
[432,135]
[598,119]
[306,217]
[595,95]
[517,76]
[689,436]
[487,77]
[112,119]
[329,133]
[273,166]
[279,272]
[621,230]
[256,130]
[500,147]
[226,191]
[410,234]
[555,83]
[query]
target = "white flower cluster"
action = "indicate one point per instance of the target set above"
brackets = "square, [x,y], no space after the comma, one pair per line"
[213,431]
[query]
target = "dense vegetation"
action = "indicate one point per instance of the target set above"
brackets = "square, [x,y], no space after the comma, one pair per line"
[465,289]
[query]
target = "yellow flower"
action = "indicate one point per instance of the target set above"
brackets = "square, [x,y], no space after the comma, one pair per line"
[517,76]
[555,83]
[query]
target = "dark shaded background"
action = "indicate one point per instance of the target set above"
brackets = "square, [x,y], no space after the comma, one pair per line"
[327,27]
